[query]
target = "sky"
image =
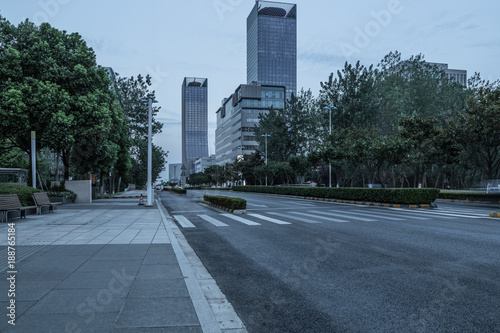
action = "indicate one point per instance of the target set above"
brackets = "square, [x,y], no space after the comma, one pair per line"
[170,40]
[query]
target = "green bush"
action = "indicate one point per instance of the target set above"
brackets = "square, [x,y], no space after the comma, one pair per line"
[25,193]
[179,190]
[64,194]
[226,202]
[468,195]
[408,196]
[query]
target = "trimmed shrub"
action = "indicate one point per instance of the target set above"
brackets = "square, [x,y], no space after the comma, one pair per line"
[25,193]
[226,202]
[407,196]
[70,195]
[179,190]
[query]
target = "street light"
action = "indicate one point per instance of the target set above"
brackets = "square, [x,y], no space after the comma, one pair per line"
[149,201]
[266,136]
[240,173]
[330,108]
[223,160]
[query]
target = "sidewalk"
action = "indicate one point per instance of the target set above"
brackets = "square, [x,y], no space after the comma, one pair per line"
[110,266]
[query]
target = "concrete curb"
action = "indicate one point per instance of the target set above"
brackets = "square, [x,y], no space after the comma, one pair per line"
[377,204]
[215,312]
[495,214]
[467,201]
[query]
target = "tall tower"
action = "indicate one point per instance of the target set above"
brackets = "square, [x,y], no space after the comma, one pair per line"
[272,45]
[194,121]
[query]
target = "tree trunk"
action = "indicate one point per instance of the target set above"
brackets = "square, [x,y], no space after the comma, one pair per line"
[65,158]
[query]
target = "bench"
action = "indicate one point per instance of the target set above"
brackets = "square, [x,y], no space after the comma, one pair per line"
[11,203]
[42,199]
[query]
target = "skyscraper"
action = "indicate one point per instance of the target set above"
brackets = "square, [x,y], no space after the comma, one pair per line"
[272,45]
[194,121]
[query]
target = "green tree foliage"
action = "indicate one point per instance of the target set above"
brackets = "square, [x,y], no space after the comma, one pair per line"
[50,83]
[478,128]
[352,93]
[131,93]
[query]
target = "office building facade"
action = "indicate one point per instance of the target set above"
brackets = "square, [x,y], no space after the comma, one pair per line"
[272,45]
[174,172]
[194,121]
[455,75]
[238,116]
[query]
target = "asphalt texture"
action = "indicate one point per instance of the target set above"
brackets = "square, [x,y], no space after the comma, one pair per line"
[347,268]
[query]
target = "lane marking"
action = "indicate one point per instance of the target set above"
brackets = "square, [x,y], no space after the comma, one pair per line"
[386,216]
[240,219]
[184,222]
[297,218]
[348,216]
[321,217]
[270,219]
[256,205]
[215,222]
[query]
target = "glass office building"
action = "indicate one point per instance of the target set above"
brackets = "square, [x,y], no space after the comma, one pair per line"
[272,45]
[238,116]
[194,121]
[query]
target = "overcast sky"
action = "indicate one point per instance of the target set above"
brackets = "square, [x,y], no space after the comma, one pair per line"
[207,38]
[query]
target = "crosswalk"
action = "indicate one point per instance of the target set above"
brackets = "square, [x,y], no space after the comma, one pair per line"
[321,216]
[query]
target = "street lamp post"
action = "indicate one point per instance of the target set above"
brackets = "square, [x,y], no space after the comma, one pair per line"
[329,163]
[265,137]
[241,174]
[223,160]
[149,201]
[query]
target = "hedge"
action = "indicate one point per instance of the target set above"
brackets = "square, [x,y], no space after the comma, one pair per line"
[64,194]
[406,196]
[226,202]
[25,193]
[469,195]
[179,190]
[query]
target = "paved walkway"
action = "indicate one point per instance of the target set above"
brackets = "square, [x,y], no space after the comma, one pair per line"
[110,266]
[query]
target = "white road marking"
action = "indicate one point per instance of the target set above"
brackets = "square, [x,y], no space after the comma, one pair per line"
[349,216]
[270,219]
[184,222]
[321,217]
[297,218]
[215,222]
[240,219]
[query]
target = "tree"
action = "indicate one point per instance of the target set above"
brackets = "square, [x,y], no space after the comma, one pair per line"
[131,92]
[50,83]
[352,93]
[478,127]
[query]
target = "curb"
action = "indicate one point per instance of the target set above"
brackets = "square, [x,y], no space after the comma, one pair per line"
[377,204]
[495,214]
[467,201]
[232,211]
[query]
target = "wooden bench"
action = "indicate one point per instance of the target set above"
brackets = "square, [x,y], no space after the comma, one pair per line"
[11,203]
[42,199]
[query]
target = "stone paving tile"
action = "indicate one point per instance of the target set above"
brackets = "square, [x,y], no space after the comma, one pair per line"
[151,312]
[67,322]
[159,287]
[148,272]
[72,301]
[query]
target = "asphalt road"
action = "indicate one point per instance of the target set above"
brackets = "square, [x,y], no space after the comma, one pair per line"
[293,265]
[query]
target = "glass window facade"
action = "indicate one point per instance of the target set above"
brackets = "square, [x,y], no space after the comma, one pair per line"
[272,45]
[194,121]
[238,116]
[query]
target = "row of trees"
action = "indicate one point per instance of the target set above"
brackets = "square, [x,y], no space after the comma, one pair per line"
[401,123]
[50,83]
